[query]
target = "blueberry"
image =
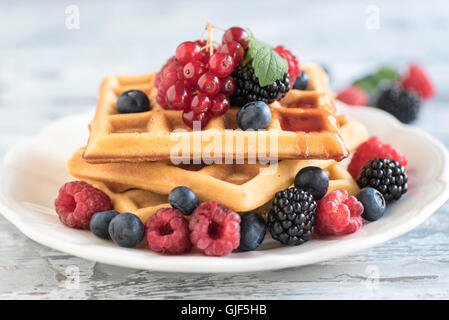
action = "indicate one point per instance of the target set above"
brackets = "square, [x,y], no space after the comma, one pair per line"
[126,230]
[252,231]
[183,199]
[133,101]
[99,224]
[254,115]
[373,203]
[302,81]
[313,180]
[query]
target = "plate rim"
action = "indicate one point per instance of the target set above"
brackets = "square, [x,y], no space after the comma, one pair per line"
[235,265]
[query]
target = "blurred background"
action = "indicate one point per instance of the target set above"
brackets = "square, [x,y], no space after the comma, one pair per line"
[51,67]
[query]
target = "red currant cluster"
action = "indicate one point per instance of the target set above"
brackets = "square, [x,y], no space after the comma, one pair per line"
[197,79]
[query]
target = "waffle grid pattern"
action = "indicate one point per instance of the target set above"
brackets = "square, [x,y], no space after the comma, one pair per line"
[239,187]
[303,124]
[144,203]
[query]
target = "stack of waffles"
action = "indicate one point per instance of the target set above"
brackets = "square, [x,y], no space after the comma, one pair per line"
[137,159]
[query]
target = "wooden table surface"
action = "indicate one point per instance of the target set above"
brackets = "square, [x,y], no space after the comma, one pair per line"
[48,70]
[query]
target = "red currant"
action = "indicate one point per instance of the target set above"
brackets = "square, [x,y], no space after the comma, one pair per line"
[178,97]
[227,86]
[158,77]
[168,79]
[188,116]
[221,64]
[171,72]
[209,84]
[160,98]
[235,50]
[170,61]
[236,34]
[200,103]
[205,55]
[205,51]
[188,51]
[172,67]
[190,86]
[180,72]
[220,105]
[193,71]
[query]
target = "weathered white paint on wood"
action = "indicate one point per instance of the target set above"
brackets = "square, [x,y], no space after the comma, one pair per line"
[47,71]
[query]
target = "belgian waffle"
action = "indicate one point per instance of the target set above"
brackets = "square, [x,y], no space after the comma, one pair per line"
[144,203]
[239,187]
[303,125]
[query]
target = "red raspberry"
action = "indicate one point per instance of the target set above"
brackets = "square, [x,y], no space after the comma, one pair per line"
[338,214]
[167,231]
[374,148]
[293,64]
[215,229]
[416,80]
[78,201]
[354,96]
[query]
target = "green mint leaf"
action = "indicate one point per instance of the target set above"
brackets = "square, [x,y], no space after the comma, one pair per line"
[387,73]
[268,65]
[373,83]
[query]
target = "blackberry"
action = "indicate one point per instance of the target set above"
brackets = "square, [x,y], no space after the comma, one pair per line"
[402,104]
[248,88]
[292,217]
[386,176]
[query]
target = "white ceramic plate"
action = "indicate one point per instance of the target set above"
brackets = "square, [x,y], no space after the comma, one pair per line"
[33,171]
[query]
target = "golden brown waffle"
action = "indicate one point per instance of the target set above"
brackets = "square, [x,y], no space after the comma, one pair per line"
[144,203]
[303,126]
[239,187]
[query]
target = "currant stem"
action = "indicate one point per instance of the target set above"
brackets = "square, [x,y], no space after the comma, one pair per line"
[208,45]
[202,35]
[210,40]
[218,28]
